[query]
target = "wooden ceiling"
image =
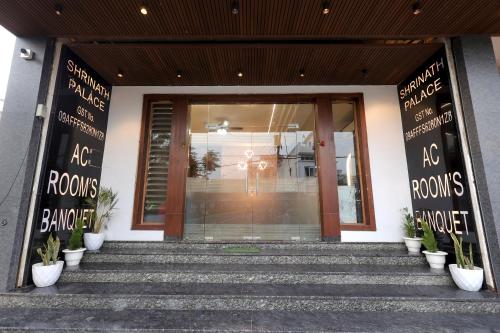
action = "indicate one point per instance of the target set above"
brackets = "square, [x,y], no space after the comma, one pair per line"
[278,19]
[264,65]
[270,41]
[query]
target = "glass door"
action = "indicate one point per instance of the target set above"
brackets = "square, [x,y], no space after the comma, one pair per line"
[252,173]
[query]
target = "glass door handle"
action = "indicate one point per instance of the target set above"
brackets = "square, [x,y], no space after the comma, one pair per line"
[246,182]
[257,184]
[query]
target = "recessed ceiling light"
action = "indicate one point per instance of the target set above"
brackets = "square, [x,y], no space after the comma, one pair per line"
[302,73]
[179,74]
[417,7]
[325,7]
[240,74]
[58,8]
[364,73]
[235,7]
[120,74]
[144,10]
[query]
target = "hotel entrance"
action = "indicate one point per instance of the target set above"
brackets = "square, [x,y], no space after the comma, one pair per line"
[250,165]
[254,168]
[252,173]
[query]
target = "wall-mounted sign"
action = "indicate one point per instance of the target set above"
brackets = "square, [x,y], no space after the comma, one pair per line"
[71,174]
[438,183]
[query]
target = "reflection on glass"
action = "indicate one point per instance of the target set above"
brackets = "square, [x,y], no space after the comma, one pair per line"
[349,187]
[252,173]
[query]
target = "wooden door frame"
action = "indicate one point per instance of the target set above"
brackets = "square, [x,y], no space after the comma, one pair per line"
[325,154]
[176,181]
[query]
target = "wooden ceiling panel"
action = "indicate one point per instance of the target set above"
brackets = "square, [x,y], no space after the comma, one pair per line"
[271,19]
[152,64]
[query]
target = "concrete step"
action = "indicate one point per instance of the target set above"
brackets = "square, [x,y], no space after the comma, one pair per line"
[254,297]
[123,320]
[244,273]
[265,256]
[194,245]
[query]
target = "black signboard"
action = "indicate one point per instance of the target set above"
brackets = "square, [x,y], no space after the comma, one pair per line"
[70,178]
[439,189]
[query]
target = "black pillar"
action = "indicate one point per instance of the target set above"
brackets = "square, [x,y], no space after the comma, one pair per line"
[479,85]
[20,134]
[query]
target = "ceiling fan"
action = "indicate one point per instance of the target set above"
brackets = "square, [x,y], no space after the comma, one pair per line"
[222,127]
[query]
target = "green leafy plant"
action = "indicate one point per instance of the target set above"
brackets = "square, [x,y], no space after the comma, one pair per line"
[428,239]
[210,162]
[408,224]
[75,240]
[50,251]
[106,204]
[462,260]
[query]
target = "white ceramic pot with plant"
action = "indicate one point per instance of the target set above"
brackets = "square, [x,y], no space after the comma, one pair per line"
[412,242]
[465,275]
[106,202]
[93,241]
[435,258]
[47,272]
[74,253]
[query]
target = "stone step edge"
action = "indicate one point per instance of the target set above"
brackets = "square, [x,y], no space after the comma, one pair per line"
[262,244]
[386,254]
[248,259]
[257,278]
[250,303]
[251,242]
[22,329]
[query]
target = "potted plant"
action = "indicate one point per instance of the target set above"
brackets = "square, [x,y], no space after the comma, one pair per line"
[413,243]
[74,253]
[435,258]
[47,272]
[106,202]
[465,275]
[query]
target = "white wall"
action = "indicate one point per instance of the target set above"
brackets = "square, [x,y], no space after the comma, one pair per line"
[389,172]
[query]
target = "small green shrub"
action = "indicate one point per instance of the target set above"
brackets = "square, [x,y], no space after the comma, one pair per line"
[462,261]
[106,204]
[75,240]
[408,224]
[50,252]
[428,239]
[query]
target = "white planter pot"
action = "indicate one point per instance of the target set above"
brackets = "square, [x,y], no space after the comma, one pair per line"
[436,259]
[467,279]
[413,244]
[44,276]
[73,257]
[93,241]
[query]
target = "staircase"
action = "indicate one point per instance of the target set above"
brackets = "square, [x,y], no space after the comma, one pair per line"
[234,287]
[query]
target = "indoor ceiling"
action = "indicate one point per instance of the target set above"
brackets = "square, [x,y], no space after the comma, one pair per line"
[255,19]
[252,117]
